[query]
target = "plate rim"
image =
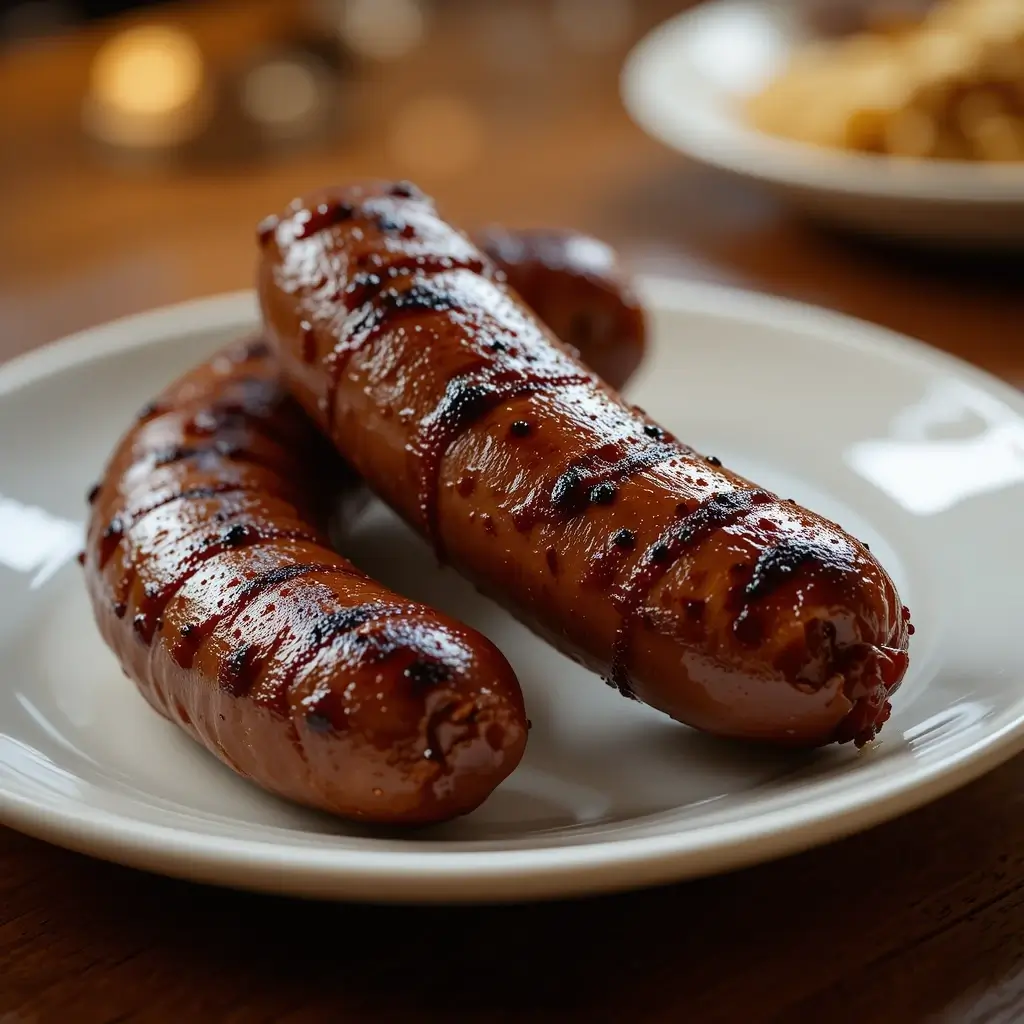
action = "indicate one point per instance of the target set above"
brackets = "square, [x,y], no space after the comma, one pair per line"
[792,164]
[548,872]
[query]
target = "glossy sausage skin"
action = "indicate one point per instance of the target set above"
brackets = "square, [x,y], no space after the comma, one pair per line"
[683,584]
[577,286]
[212,580]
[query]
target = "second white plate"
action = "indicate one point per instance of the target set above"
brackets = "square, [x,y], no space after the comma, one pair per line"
[684,85]
[912,451]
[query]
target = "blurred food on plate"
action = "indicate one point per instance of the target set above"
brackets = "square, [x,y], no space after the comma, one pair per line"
[949,85]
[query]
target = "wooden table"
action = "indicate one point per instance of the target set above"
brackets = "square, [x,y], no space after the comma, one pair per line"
[922,919]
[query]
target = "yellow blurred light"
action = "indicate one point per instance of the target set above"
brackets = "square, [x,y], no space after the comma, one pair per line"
[437,135]
[281,92]
[150,69]
[147,89]
[383,29]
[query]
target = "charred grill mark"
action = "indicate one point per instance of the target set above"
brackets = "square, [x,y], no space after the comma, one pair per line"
[426,673]
[778,564]
[322,217]
[194,634]
[324,632]
[158,596]
[466,400]
[255,348]
[345,620]
[593,480]
[208,456]
[682,536]
[382,308]
[119,526]
[234,673]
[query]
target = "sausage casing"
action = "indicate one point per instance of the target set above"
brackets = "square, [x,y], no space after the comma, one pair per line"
[683,584]
[577,286]
[212,579]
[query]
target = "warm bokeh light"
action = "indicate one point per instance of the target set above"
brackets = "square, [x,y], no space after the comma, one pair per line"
[151,69]
[146,87]
[437,135]
[383,29]
[281,94]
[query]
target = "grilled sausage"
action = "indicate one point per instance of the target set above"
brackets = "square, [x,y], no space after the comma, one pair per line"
[578,288]
[212,580]
[685,585]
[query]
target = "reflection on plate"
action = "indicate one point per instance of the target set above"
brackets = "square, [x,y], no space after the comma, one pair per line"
[610,794]
[685,85]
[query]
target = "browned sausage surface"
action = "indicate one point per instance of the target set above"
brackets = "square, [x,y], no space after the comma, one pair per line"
[578,288]
[212,579]
[685,585]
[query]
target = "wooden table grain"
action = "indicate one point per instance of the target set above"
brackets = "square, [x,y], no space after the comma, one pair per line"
[918,920]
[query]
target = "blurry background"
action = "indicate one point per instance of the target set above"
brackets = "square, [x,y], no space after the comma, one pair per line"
[141,143]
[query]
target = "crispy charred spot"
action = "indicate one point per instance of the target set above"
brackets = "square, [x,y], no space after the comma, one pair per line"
[92,494]
[119,608]
[712,460]
[202,493]
[568,495]
[624,539]
[423,296]
[318,722]
[139,623]
[386,224]
[325,215]
[551,557]
[659,553]
[519,428]
[426,673]
[255,348]
[189,629]
[778,563]
[345,620]
[712,514]
[173,453]
[593,478]
[652,430]
[284,574]
[236,535]
[748,628]
[464,402]
[235,674]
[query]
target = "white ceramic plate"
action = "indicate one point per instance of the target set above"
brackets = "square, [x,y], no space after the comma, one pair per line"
[684,85]
[913,451]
